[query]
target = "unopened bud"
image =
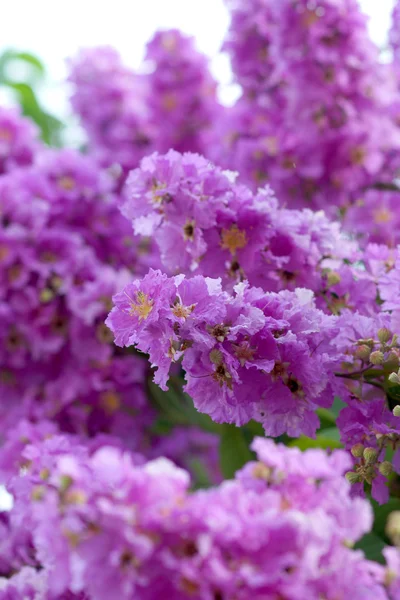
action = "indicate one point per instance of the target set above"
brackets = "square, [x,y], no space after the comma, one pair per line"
[353,477]
[357,450]
[392,528]
[333,278]
[377,358]
[394,378]
[370,455]
[392,361]
[396,411]
[363,352]
[386,468]
[394,341]
[384,335]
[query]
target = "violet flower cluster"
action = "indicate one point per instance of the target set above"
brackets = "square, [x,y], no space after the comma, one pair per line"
[172,103]
[159,312]
[317,117]
[101,524]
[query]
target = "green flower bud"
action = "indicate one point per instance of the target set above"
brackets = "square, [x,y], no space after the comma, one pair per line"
[353,477]
[392,528]
[363,352]
[392,361]
[386,468]
[377,358]
[394,378]
[370,455]
[357,450]
[396,411]
[384,335]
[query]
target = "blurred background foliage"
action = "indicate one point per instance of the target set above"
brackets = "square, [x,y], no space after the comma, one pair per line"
[23,74]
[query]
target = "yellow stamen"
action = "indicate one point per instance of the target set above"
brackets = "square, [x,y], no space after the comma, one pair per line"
[110,401]
[233,239]
[357,155]
[66,182]
[382,215]
[142,307]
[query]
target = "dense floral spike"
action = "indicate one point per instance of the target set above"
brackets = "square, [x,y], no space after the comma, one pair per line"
[315,119]
[115,528]
[203,222]
[394,34]
[248,355]
[375,217]
[18,140]
[181,93]
[117,123]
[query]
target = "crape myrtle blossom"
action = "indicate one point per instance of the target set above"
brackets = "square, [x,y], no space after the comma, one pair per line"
[249,355]
[107,525]
[203,222]
[171,104]
[375,217]
[181,95]
[394,34]
[117,124]
[316,118]
[18,140]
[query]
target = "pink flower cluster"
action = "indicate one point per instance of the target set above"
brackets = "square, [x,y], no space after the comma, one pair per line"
[172,104]
[246,356]
[316,118]
[101,524]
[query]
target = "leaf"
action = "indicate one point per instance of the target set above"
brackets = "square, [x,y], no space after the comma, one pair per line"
[327,418]
[337,406]
[10,57]
[49,125]
[381,513]
[372,546]
[328,439]
[234,451]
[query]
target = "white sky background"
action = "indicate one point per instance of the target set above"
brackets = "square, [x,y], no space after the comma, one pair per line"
[55,29]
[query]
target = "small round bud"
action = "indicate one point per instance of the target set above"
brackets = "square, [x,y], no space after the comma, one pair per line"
[377,358]
[357,450]
[386,468]
[353,477]
[392,361]
[394,378]
[363,352]
[396,411]
[333,278]
[392,528]
[384,335]
[370,455]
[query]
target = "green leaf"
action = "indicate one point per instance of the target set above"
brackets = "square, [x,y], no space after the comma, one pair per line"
[328,439]
[381,513]
[327,418]
[337,406]
[49,125]
[372,546]
[234,451]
